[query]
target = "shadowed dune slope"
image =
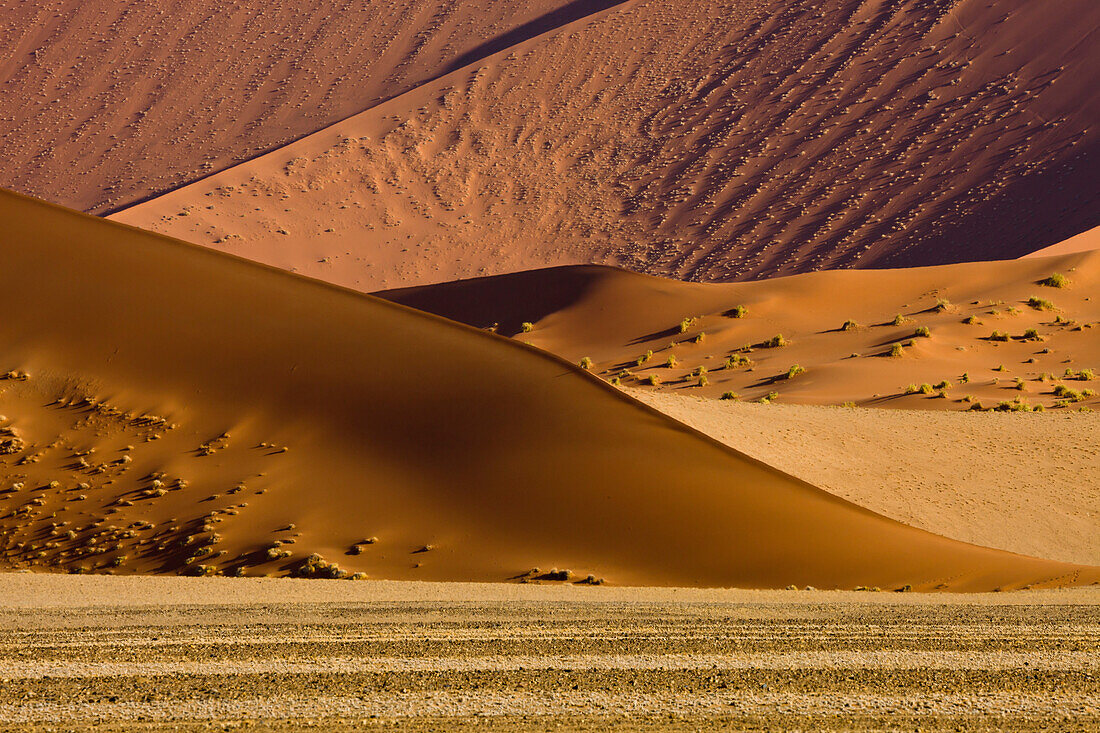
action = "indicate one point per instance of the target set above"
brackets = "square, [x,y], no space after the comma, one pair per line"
[169,408]
[704,141]
[104,103]
[985,332]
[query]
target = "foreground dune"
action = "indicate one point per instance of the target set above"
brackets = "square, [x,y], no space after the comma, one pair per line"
[107,103]
[1018,482]
[171,409]
[952,337]
[705,141]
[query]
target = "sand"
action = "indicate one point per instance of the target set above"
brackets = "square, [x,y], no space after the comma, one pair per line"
[104,103]
[172,409]
[183,654]
[704,141]
[956,337]
[1020,482]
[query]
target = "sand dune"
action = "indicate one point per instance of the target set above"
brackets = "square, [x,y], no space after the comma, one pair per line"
[706,141]
[947,473]
[106,103]
[952,337]
[171,409]
[1083,242]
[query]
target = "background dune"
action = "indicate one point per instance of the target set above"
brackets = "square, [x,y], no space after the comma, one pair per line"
[105,103]
[705,141]
[995,336]
[171,409]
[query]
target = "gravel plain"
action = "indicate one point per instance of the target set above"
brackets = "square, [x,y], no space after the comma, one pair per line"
[136,653]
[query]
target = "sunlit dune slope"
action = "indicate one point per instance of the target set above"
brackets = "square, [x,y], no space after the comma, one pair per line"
[105,103]
[957,337]
[193,409]
[1083,242]
[705,141]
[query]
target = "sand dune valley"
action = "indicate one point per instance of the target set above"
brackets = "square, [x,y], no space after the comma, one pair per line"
[550,365]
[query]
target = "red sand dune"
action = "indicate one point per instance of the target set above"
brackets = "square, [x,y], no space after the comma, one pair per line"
[988,342]
[705,141]
[168,408]
[106,103]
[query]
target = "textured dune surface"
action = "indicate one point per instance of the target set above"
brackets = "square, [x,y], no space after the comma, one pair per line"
[293,655]
[168,408]
[105,103]
[952,337]
[942,472]
[706,141]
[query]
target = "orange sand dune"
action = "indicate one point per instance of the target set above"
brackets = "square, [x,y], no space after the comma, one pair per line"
[170,409]
[962,335]
[1083,242]
[706,141]
[106,103]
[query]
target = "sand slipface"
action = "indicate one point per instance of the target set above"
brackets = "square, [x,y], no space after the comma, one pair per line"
[706,141]
[204,414]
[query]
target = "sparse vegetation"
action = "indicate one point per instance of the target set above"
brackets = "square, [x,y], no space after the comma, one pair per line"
[923,332]
[849,325]
[897,350]
[794,371]
[645,357]
[972,321]
[586,363]
[1056,280]
[776,341]
[671,362]
[730,396]
[686,324]
[899,320]
[527,327]
[998,336]
[737,360]
[653,380]
[738,311]
[1040,304]
[769,397]
[1031,334]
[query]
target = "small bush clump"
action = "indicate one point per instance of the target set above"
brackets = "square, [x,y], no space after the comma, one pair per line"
[586,363]
[1056,280]
[794,371]
[1040,304]
[923,332]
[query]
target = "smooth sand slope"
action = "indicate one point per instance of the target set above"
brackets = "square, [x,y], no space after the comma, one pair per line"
[185,654]
[1083,242]
[953,337]
[706,141]
[171,409]
[105,103]
[1020,482]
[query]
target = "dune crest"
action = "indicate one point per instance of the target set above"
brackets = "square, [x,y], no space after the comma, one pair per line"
[284,417]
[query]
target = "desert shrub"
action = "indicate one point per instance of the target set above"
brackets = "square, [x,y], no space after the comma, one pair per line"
[923,332]
[737,360]
[897,350]
[944,385]
[942,304]
[794,371]
[998,336]
[849,325]
[1032,334]
[730,396]
[972,321]
[586,363]
[926,388]
[1086,375]
[686,324]
[769,397]
[671,362]
[912,389]
[645,357]
[1056,280]
[776,341]
[527,327]
[1000,368]
[738,311]
[1040,304]
[653,380]
[1069,393]
[899,319]
[702,381]
[700,337]
[1020,384]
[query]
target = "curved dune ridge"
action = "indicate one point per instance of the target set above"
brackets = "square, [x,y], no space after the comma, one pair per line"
[105,103]
[705,141]
[171,409]
[952,337]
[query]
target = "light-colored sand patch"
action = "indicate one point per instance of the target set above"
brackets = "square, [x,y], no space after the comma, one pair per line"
[1021,482]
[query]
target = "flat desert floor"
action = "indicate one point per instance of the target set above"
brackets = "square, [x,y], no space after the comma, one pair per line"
[149,653]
